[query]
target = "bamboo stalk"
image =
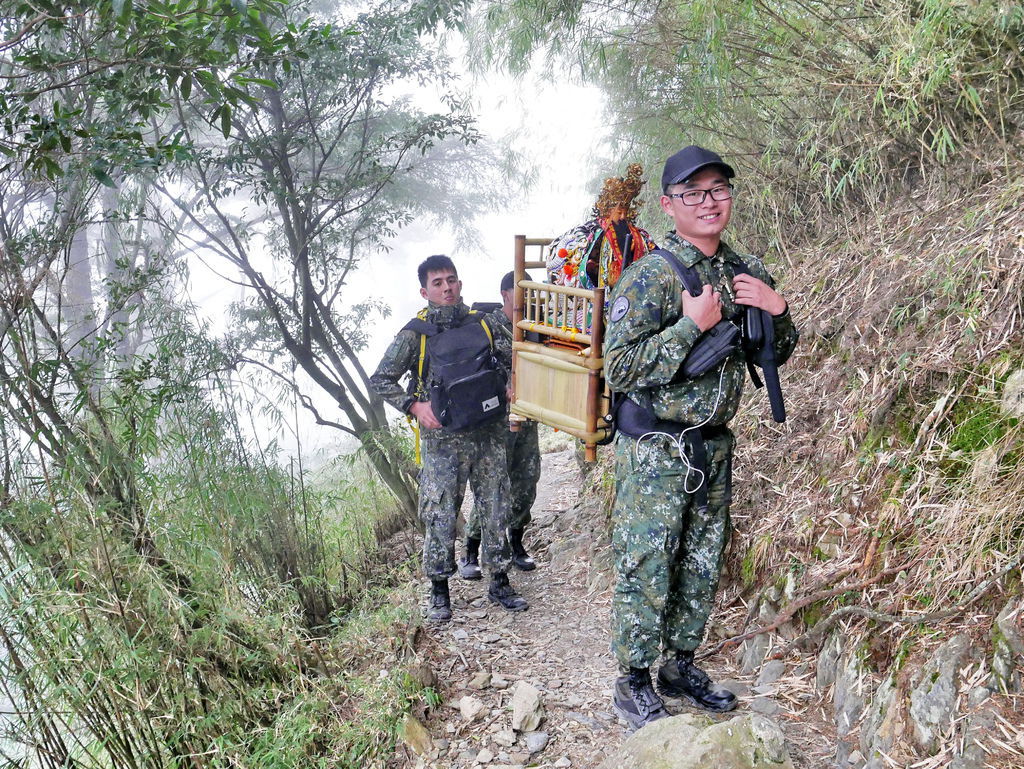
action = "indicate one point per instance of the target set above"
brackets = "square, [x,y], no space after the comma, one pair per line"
[578,358]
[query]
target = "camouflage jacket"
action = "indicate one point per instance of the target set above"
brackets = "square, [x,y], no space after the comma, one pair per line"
[648,336]
[403,357]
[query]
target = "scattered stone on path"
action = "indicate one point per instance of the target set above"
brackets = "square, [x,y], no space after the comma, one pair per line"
[484,756]
[691,741]
[499,683]
[739,688]
[480,681]
[562,762]
[415,735]
[421,672]
[460,635]
[491,638]
[765,706]
[527,707]
[506,738]
[536,741]
[580,718]
[771,672]
[554,684]
[477,614]
[470,707]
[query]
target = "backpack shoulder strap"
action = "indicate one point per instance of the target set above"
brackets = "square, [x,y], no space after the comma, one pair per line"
[419,325]
[687,275]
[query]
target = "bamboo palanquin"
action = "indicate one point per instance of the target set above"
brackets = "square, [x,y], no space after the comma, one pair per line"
[559,381]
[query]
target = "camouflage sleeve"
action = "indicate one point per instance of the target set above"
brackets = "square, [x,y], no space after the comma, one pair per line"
[501,332]
[640,351]
[401,358]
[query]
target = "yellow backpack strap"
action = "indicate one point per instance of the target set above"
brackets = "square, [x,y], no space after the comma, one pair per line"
[423,358]
[487,330]
[415,425]
[420,387]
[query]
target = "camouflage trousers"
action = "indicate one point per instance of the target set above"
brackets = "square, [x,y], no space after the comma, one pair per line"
[668,553]
[476,456]
[522,450]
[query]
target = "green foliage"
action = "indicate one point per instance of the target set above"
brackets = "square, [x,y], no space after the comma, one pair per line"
[826,105]
[223,617]
[124,59]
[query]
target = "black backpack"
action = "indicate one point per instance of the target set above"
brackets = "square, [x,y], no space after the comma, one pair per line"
[469,384]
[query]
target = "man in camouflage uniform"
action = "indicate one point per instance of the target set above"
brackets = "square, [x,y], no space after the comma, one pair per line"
[671,515]
[451,458]
[522,449]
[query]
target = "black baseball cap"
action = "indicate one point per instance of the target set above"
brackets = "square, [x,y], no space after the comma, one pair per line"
[508,281]
[688,161]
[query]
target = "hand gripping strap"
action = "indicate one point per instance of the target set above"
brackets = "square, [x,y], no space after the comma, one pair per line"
[714,345]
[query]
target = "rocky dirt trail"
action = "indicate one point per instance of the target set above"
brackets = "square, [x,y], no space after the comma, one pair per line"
[534,689]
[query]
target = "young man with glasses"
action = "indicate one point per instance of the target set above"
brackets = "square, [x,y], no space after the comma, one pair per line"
[674,461]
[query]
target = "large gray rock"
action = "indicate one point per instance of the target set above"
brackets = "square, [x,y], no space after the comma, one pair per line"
[974,728]
[1008,648]
[883,722]
[1013,394]
[691,741]
[828,661]
[751,653]
[933,697]
[850,692]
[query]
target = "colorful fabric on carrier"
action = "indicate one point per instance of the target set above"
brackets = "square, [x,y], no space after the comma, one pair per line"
[590,256]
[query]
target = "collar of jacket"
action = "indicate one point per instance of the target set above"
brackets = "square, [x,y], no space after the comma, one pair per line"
[689,254]
[445,314]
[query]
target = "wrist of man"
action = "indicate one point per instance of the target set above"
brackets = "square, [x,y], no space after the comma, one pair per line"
[784,313]
[407,404]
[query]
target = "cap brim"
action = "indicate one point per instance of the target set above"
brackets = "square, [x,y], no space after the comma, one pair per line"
[680,178]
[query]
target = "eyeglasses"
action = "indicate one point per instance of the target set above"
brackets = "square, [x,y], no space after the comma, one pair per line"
[696,197]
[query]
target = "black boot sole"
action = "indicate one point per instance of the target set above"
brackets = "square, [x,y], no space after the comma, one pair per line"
[633,722]
[524,565]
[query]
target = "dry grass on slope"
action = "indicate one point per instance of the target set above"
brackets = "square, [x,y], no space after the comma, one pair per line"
[897,456]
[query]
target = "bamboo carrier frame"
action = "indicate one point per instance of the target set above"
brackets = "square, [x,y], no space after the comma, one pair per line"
[553,385]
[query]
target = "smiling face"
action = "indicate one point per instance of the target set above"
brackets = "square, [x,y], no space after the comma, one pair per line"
[443,287]
[701,224]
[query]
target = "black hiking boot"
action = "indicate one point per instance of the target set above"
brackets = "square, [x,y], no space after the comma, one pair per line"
[469,568]
[501,592]
[636,701]
[520,557]
[440,602]
[681,678]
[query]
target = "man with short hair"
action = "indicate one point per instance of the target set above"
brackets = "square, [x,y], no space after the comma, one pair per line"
[674,451]
[450,459]
[522,449]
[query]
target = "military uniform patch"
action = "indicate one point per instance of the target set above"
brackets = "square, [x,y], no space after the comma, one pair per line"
[619,308]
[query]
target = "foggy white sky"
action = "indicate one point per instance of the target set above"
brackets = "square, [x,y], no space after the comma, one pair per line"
[557,126]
